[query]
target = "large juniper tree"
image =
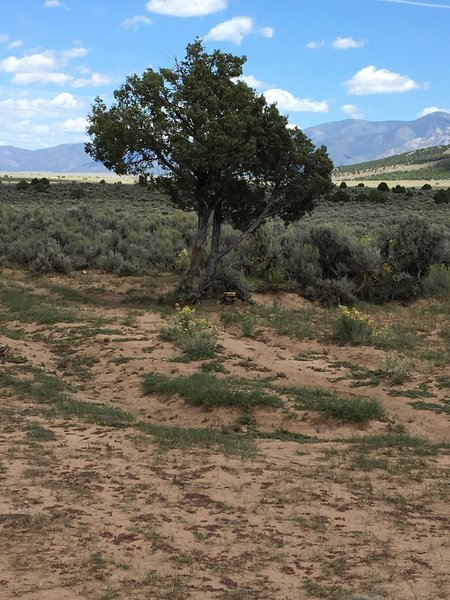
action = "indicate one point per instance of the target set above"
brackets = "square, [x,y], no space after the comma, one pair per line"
[219,148]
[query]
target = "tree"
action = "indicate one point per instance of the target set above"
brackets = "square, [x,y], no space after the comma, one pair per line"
[220,149]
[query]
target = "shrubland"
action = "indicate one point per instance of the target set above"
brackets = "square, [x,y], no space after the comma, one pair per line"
[347,248]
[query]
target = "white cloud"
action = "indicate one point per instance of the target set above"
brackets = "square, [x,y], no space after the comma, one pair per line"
[251,81]
[314,44]
[34,68]
[15,44]
[65,100]
[38,108]
[78,124]
[288,102]
[41,77]
[76,52]
[134,22]
[344,43]
[96,79]
[432,109]
[4,37]
[235,29]
[54,4]
[412,3]
[185,8]
[371,80]
[28,64]
[352,111]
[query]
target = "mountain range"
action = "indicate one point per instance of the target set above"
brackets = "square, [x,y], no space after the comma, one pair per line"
[354,140]
[65,158]
[349,142]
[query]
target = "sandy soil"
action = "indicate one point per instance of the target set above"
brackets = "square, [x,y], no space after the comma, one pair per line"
[99,511]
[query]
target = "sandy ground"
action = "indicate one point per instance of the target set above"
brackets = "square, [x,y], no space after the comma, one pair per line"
[99,511]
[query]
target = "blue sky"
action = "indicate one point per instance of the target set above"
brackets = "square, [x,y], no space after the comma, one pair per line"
[320,60]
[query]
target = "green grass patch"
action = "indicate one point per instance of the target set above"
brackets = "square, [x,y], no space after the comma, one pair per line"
[208,391]
[27,307]
[37,433]
[178,437]
[332,405]
[443,408]
[397,441]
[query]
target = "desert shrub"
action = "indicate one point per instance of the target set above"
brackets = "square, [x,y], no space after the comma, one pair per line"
[342,185]
[395,367]
[351,325]
[40,184]
[376,195]
[197,338]
[399,189]
[302,265]
[413,245]
[230,279]
[442,197]
[437,281]
[361,185]
[426,186]
[77,192]
[341,196]
[383,187]
[22,185]
[332,291]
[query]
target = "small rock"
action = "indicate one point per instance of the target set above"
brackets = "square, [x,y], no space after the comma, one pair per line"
[324,429]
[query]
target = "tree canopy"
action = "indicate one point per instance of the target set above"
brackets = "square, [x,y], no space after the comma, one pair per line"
[218,147]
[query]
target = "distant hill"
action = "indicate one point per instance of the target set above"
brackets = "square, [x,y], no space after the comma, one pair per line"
[428,163]
[355,141]
[66,158]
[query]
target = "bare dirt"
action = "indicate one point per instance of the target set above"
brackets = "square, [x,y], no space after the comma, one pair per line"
[107,510]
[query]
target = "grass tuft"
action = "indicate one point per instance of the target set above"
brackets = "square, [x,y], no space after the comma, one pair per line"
[208,391]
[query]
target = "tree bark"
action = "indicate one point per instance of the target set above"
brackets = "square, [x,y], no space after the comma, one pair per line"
[213,259]
[197,260]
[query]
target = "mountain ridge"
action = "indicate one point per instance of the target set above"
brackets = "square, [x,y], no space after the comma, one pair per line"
[354,141]
[349,142]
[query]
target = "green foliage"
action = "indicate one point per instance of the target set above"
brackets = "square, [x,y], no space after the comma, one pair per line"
[41,184]
[227,154]
[383,187]
[22,185]
[437,281]
[197,338]
[399,189]
[208,391]
[331,405]
[442,197]
[351,325]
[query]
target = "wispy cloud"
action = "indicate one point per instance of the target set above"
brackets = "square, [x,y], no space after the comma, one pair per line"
[134,22]
[315,44]
[55,4]
[432,109]
[352,111]
[413,3]
[236,29]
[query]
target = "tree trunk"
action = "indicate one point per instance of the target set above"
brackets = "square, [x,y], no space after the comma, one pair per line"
[197,260]
[214,256]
